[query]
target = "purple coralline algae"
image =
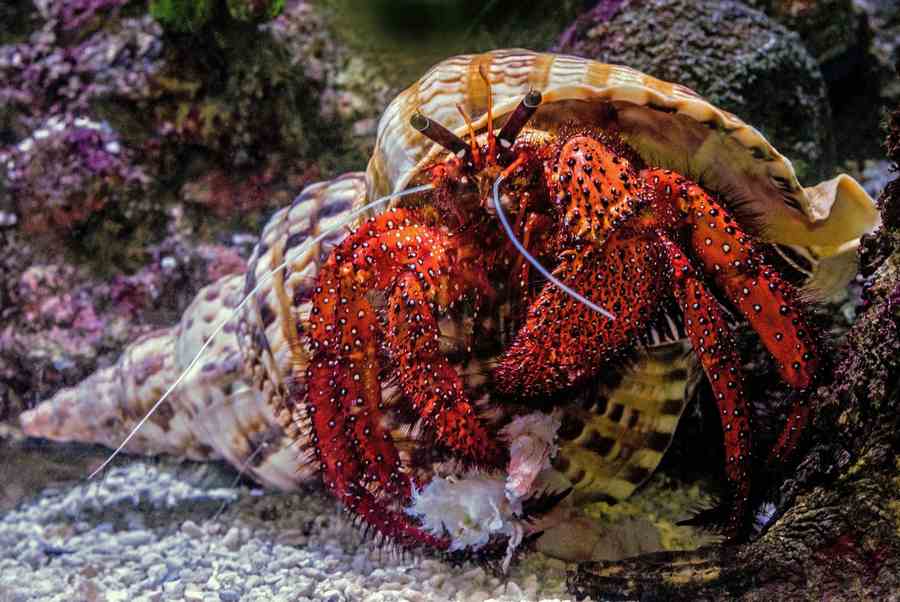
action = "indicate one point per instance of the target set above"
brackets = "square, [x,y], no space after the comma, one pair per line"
[53,72]
[67,169]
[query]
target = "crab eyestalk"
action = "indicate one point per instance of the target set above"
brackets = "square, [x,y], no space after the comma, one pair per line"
[519,117]
[439,134]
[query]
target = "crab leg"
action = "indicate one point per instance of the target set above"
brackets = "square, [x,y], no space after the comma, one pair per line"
[422,269]
[428,380]
[769,303]
[563,341]
[712,341]
[341,464]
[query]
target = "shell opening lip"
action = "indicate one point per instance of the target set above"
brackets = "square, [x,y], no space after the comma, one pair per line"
[528,256]
[437,133]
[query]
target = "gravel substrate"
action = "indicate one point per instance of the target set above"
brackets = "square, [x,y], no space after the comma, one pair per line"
[152,531]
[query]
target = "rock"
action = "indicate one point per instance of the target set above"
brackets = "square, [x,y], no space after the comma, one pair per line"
[60,321]
[884,19]
[735,56]
[829,28]
[232,539]
[848,39]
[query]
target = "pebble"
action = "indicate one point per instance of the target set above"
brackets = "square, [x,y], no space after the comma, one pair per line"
[135,538]
[232,539]
[143,537]
[192,529]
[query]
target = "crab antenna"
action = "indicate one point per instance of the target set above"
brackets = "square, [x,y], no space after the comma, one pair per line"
[492,141]
[438,133]
[519,117]
[544,271]
[300,250]
[473,141]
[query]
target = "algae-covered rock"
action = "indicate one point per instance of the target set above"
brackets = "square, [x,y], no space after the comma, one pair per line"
[59,320]
[829,28]
[254,11]
[737,57]
[845,37]
[193,15]
[183,15]
[132,157]
[69,169]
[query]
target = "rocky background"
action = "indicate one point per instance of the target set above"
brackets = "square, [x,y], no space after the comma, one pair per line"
[144,143]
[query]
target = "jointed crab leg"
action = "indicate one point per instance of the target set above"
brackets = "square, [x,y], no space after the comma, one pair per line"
[428,380]
[423,270]
[768,302]
[714,344]
[342,466]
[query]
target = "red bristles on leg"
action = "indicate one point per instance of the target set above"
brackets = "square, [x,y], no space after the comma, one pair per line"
[429,381]
[424,270]
[563,341]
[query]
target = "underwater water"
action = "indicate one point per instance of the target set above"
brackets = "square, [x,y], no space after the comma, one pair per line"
[187,414]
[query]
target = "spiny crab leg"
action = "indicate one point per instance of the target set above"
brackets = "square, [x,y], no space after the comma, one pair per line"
[559,284]
[341,463]
[564,341]
[429,381]
[714,344]
[768,302]
[423,270]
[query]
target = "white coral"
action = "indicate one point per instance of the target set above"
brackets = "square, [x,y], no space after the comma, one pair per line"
[531,446]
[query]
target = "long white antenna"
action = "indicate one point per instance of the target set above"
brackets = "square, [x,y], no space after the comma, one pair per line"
[302,249]
[546,273]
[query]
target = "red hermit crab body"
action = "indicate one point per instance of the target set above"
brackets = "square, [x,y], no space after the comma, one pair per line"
[624,235]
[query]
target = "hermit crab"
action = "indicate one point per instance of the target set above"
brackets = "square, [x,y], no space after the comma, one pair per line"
[565,239]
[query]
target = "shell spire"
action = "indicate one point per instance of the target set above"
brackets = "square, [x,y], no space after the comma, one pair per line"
[213,414]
